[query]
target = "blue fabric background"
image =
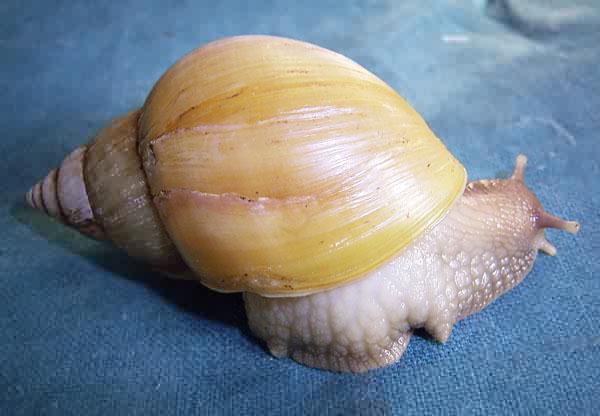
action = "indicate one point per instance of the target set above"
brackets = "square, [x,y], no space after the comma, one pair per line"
[86,331]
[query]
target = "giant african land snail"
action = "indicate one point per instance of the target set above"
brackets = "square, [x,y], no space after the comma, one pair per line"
[286,171]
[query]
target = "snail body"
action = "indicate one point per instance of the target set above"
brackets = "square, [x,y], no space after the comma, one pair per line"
[484,247]
[288,172]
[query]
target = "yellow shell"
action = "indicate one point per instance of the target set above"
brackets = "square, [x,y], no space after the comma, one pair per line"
[282,168]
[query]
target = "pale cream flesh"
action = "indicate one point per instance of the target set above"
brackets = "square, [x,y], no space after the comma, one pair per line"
[484,247]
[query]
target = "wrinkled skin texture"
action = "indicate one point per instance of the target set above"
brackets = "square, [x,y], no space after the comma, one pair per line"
[484,247]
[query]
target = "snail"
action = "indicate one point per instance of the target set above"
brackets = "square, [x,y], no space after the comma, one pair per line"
[288,172]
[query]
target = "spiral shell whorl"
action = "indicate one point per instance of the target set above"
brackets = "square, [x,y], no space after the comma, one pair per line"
[62,195]
[45,201]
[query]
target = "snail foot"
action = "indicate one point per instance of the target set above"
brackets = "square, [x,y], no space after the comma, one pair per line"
[328,358]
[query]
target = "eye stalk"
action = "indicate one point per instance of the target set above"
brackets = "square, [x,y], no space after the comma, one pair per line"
[545,219]
[550,221]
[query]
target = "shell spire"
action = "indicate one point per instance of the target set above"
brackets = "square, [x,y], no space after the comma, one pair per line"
[62,195]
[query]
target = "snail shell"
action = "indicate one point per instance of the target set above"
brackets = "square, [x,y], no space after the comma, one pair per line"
[273,166]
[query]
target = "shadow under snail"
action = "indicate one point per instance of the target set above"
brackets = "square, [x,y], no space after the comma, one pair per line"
[288,172]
